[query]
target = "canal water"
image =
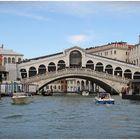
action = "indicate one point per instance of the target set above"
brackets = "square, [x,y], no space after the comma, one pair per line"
[62,117]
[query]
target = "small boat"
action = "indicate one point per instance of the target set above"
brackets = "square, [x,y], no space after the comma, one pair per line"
[85,92]
[23,98]
[47,93]
[104,98]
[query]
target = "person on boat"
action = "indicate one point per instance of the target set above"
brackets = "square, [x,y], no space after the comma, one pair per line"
[102,97]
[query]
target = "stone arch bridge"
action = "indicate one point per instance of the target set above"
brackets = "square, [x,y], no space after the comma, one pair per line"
[108,82]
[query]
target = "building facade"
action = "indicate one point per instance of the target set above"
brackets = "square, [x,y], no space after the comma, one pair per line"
[115,50]
[8,64]
[134,56]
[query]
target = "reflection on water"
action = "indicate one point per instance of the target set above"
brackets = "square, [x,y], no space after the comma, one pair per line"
[69,117]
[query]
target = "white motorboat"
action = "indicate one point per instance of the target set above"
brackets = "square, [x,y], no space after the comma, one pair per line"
[21,98]
[104,98]
[85,93]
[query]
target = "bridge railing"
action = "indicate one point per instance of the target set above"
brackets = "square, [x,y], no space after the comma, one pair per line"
[68,71]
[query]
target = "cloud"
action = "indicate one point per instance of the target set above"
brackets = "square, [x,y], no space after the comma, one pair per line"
[91,8]
[77,39]
[82,9]
[23,14]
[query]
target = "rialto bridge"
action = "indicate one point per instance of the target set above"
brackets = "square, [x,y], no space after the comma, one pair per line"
[77,63]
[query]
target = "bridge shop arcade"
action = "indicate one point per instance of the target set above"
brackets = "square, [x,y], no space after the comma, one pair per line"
[75,58]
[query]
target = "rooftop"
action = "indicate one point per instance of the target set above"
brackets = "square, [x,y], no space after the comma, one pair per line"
[117,44]
[4,51]
[41,57]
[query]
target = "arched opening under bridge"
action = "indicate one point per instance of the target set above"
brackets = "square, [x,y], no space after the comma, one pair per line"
[100,83]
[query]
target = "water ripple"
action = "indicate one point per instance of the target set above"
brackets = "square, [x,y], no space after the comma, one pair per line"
[70,117]
[14,116]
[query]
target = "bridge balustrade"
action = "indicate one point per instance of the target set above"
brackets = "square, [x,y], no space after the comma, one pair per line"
[77,71]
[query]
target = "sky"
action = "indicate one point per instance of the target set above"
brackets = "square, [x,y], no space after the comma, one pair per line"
[41,28]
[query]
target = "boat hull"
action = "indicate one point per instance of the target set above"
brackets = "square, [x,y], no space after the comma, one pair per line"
[104,101]
[21,99]
[85,93]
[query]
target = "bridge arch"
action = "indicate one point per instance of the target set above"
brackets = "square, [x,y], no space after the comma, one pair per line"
[136,75]
[51,66]
[61,65]
[118,71]
[32,71]
[128,74]
[90,64]
[109,69]
[75,58]
[107,86]
[41,69]
[99,67]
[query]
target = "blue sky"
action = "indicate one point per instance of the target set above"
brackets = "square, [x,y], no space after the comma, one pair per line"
[46,27]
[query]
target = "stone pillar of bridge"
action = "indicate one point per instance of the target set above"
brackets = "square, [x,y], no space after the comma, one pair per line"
[27,70]
[92,86]
[89,84]
[56,67]
[122,74]
[96,88]
[26,88]
[113,72]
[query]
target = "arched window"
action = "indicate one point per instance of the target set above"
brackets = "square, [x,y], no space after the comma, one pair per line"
[128,74]
[5,60]
[90,64]
[32,71]
[75,59]
[61,65]
[9,60]
[99,66]
[118,71]
[51,67]
[136,75]
[23,73]
[19,59]
[13,60]
[109,69]
[41,69]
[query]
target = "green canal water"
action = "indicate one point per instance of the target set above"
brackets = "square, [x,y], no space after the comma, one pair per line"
[62,117]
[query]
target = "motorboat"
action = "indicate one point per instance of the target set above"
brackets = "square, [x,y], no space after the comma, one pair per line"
[21,98]
[104,98]
[85,92]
